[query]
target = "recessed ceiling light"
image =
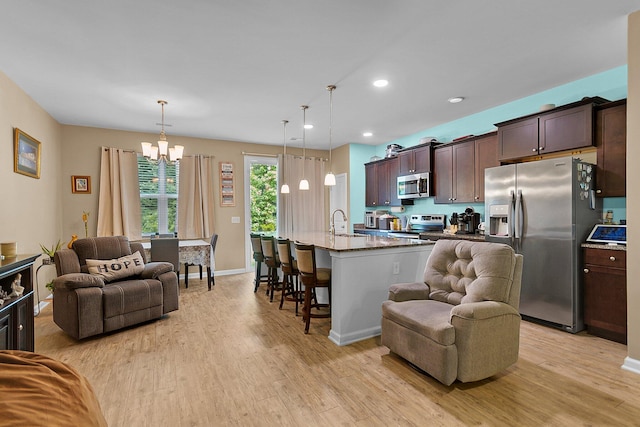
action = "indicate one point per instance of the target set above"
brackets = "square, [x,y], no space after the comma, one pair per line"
[456,99]
[308,126]
[367,134]
[380,83]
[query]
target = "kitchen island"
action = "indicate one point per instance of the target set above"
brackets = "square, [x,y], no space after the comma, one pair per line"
[363,267]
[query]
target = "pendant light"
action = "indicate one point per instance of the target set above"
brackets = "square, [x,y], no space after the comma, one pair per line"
[151,152]
[330,178]
[304,184]
[285,187]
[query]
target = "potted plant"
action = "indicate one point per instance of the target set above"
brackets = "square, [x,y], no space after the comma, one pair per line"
[50,251]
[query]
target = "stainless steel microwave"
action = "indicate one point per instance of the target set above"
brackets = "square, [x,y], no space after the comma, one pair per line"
[414,186]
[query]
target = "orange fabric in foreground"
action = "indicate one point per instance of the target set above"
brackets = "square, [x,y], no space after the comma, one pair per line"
[37,390]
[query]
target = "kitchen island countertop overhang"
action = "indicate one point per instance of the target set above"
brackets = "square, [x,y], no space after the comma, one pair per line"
[363,267]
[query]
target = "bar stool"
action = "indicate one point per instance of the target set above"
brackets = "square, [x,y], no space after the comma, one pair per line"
[289,266]
[312,278]
[273,263]
[258,257]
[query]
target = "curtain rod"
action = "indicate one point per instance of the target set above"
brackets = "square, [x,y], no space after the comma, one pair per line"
[246,153]
[276,155]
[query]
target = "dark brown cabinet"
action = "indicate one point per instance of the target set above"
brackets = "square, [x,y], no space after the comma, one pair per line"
[380,181]
[605,293]
[459,169]
[486,156]
[611,140]
[564,128]
[16,314]
[415,160]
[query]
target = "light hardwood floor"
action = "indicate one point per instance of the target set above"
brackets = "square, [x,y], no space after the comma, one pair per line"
[228,357]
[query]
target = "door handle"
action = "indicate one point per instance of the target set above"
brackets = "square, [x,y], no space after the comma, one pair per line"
[519,216]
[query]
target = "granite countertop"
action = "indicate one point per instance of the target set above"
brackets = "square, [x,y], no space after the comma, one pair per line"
[605,246]
[442,235]
[353,242]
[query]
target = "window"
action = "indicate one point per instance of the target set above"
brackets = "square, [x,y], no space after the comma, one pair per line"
[158,196]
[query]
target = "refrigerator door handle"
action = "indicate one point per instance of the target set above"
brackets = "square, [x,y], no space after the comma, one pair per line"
[511,217]
[519,216]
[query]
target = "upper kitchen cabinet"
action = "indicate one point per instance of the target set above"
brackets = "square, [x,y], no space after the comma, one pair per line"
[486,156]
[611,140]
[416,160]
[380,181]
[459,169]
[564,128]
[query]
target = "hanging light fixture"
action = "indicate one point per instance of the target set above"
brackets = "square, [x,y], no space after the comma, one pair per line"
[151,152]
[304,184]
[285,187]
[330,178]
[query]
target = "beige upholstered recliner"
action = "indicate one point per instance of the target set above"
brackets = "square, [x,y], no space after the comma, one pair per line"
[105,284]
[463,321]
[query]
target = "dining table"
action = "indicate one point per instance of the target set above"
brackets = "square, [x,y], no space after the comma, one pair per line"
[190,251]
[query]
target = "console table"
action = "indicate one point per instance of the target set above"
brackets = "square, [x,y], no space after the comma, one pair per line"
[16,314]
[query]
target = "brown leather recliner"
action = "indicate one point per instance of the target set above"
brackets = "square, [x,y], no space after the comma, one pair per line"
[92,296]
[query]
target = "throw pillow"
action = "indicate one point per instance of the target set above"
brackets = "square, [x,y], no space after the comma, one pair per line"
[115,269]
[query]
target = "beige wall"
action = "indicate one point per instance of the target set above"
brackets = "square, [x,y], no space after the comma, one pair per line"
[32,208]
[633,197]
[81,156]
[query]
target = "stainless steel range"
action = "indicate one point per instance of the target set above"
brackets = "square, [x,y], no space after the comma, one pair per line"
[420,223]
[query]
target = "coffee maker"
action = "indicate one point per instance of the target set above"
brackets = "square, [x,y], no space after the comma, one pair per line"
[468,221]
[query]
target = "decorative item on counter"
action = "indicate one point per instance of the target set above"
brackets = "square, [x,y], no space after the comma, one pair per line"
[74,237]
[547,107]
[85,219]
[9,249]
[608,218]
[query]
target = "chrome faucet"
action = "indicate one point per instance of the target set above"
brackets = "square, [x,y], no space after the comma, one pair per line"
[333,220]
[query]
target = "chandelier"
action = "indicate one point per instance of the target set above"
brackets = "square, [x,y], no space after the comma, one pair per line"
[159,153]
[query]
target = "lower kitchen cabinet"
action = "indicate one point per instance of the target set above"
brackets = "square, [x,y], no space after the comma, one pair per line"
[605,293]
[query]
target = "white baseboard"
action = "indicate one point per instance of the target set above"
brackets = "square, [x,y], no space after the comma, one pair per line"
[631,365]
[196,274]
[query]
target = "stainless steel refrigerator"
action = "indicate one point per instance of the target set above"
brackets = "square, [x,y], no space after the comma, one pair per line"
[544,209]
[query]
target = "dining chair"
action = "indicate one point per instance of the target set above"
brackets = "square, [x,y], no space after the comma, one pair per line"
[312,278]
[210,278]
[290,284]
[258,258]
[166,250]
[273,263]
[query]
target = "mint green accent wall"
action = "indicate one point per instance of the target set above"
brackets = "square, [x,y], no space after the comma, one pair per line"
[618,205]
[610,84]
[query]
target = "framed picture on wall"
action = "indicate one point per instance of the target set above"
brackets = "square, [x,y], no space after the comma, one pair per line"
[81,184]
[26,154]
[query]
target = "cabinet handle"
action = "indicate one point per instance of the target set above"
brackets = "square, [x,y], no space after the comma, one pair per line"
[612,258]
[598,191]
[477,198]
[20,327]
[586,270]
[541,148]
[534,150]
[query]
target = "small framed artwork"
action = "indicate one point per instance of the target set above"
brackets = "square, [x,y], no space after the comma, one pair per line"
[26,151]
[81,184]
[227,192]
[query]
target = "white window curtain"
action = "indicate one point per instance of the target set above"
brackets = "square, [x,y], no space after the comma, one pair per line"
[301,211]
[119,198]
[196,197]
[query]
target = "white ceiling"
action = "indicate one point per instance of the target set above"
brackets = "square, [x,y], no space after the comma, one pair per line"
[233,69]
